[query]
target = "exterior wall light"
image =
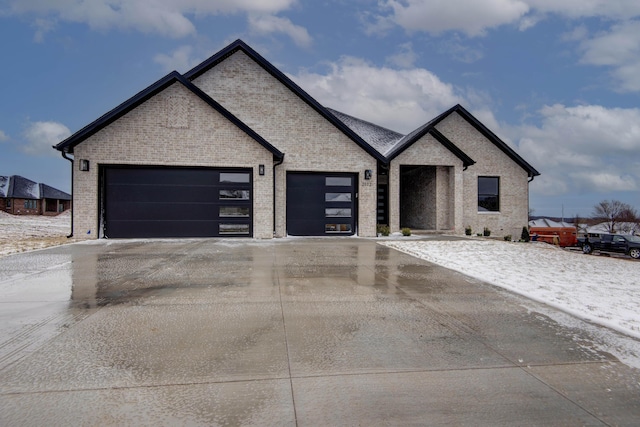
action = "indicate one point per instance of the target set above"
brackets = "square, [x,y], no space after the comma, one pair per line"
[261,169]
[368,173]
[84,165]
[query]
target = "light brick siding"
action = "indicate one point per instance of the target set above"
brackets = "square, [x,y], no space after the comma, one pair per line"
[149,135]
[490,161]
[309,141]
[177,128]
[447,185]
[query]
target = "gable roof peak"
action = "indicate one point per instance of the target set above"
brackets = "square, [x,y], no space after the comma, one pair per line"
[237,45]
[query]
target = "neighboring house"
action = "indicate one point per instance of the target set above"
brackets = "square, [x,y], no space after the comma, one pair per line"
[605,228]
[235,148]
[21,196]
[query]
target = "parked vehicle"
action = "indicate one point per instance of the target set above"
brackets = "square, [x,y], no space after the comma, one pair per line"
[620,243]
[560,236]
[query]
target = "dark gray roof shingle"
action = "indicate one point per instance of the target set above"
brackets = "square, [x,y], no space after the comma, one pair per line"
[19,187]
[47,192]
[381,139]
[24,188]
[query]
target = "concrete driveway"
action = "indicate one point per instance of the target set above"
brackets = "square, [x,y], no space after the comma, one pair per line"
[286,332]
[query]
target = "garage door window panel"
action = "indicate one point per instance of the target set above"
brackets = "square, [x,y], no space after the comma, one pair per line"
[337,228]
[230,228]
[239,178]
[337,197]
[234,212]
[339,181]
[234,194]
[337,212]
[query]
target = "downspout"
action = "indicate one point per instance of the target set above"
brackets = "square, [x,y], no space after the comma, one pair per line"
[531,178]
[274,193]
[72,207]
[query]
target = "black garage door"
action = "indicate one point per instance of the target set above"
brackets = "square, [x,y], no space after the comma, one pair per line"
[176,202]
[321,204]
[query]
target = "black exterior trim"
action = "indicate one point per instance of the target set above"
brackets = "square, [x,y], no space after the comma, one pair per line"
[531,171]
[430,129]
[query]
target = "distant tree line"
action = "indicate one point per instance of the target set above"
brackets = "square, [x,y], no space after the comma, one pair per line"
[616,215]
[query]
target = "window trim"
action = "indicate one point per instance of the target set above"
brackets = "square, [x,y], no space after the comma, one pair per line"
[497,195]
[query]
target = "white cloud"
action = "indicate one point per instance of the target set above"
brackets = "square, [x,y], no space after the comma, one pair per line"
[43,26]
[405,58]
[582,149]
[610,9]
[181,59]
[166,17]
[41,136]
[604,182]
[460,52]
[268,24]
[618,48]
[3,136]
[475,17]
[472,17]
[401,100]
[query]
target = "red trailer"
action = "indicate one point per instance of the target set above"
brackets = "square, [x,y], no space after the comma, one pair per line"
[560,236]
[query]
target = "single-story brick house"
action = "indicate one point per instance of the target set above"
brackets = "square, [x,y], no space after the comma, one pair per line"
[235,148]
[21,196]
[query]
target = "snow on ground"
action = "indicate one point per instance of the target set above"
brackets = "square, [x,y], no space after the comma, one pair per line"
[19,233]
[601,289]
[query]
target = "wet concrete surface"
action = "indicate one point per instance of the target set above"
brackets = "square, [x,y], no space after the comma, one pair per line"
[286,332]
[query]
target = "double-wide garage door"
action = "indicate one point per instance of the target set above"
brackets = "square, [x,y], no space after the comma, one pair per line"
[176,202]
[320,204]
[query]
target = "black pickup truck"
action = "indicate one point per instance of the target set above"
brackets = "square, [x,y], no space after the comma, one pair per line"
[621,243]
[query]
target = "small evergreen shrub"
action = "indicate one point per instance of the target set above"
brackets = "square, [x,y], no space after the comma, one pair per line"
[467,230]
[507,238]
[525,235]
[406,231]
[383,230]
[486,232]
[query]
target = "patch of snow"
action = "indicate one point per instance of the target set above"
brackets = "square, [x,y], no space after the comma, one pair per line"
[4,186]
[602,290]
[19,233]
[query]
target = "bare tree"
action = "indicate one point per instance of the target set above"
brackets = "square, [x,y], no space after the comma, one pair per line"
[614,212]
[580,224]
[629,221]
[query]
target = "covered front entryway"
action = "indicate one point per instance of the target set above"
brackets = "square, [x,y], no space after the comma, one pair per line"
[321,204]
[426,197]
[142,202]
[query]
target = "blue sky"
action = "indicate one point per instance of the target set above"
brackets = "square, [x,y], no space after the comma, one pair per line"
[558,81]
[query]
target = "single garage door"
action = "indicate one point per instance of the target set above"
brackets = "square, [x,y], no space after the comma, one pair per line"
[321,204]
[176,202]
